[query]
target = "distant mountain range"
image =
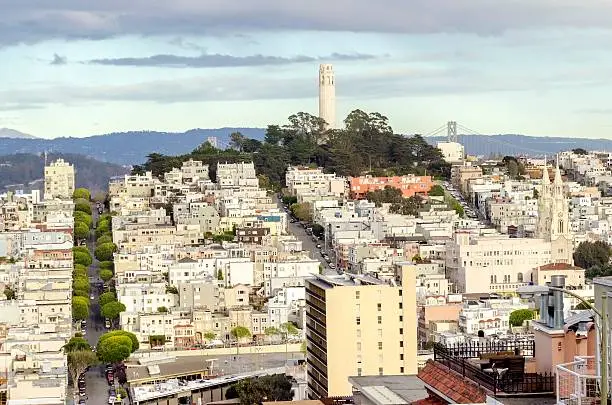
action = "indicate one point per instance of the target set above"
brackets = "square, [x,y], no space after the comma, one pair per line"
[26,171]
[129,148]
[12,133]
[126,148]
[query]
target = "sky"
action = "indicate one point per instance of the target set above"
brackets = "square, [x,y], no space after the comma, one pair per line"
[84,67]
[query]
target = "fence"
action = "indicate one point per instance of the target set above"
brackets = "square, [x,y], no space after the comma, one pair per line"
[508,384]
[525,348]
[578,382]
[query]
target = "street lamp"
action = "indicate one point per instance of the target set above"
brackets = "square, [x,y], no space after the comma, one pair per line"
[559,282]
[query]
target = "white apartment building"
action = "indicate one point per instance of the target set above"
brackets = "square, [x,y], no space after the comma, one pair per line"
[145,297]
[231,175]
[284,303]
[59,180]
[300,179]
[490,316]
[290,271]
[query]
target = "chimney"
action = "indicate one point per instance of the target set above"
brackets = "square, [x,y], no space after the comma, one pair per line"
[557,282]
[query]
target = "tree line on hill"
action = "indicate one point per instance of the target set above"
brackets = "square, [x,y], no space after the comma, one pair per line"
[366,145]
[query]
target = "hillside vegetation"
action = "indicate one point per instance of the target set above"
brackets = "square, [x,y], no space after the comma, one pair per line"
[19,170]
[366,145]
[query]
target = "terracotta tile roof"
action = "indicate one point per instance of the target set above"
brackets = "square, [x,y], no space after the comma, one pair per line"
[451,384]
[431,400]
[559,266]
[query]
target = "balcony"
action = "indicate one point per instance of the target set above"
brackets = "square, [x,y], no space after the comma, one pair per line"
[498,368]
[578,382]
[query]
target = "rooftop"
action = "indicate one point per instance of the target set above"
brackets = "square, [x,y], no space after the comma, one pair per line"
[448,384]
[344,280]
[392,389]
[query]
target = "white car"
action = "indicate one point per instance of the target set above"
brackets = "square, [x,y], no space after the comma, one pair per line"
[91,297]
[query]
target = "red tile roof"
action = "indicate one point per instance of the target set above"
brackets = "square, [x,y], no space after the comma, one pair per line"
[559,266]
[450,384]
[431,400]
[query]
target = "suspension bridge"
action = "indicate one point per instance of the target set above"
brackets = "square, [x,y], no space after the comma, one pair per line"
[476,143]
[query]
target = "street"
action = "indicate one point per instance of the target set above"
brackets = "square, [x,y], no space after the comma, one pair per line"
[296,229]
[95,381]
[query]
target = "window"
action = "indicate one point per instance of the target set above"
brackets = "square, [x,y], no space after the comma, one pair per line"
[358,371]
[358,333]
[379,319]
[358,320]
[380,371]
[401,318]
[519,277]
[401,331]
[401,343]
[358,346]
[379,345]
[379,305]
[401,306]
[380,333]
[402,356]
[400,292]
[401,370]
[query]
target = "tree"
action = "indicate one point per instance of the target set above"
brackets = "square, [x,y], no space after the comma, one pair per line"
[105,275]
[220,275]
[134,345]
[75,344]
[83,207]
[82,258]
[114,349]
[208,336]
[170,289]
[162,309]
[437,191]
[580,151]
[80,308]
[271,332]
[318,230]
[82,249]
[80,293]
[289,329]
[81,230]
[81,283]
[81,193]
[107,265]
[78,361]
[302,211]
[112,310]
[105,298]
[80,216]
[518,317]
[237,140]
[104,239]
[240,333]
[9,293]
[104,252]
[513,168]
[590,254]
[272,388]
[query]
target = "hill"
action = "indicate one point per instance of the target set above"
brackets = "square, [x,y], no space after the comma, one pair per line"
[11,133]
[25,171]
[510,144]
[126,148]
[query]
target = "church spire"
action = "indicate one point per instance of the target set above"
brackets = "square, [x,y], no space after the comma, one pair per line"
[558,179]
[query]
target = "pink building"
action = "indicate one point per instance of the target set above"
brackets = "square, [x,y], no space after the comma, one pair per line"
[409,185]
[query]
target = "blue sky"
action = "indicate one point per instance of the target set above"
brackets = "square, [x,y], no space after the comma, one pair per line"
[79,67]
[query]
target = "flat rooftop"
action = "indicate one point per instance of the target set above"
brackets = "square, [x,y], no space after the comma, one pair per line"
[391,389]
[344,280]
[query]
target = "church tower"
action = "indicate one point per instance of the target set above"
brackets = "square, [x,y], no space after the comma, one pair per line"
[553,217]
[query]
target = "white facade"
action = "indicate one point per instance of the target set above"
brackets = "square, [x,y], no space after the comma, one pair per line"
[59,180]
[452,152]
[327,95]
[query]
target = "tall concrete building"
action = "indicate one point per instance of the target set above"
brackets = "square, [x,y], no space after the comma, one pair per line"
[359,325]
[327,95]
[59,180]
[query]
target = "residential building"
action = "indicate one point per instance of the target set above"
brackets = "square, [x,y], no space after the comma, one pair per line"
[409,185]
[373,334]
[59,180]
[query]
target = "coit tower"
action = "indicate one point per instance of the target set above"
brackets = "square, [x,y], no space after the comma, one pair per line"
[327,95]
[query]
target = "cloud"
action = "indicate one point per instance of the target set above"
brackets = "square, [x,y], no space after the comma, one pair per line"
[27,21]
[378,83]
[218,60]
[58,60]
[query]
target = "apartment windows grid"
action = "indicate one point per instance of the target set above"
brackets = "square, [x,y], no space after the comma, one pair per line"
[380,345]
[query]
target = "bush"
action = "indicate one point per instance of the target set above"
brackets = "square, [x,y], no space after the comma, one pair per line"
[81,284]
[105,275]
[80,249]
[80,216]
[81,230]
[518,317]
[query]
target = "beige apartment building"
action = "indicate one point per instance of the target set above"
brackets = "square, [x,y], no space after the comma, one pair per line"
[359,325]
[59,180]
